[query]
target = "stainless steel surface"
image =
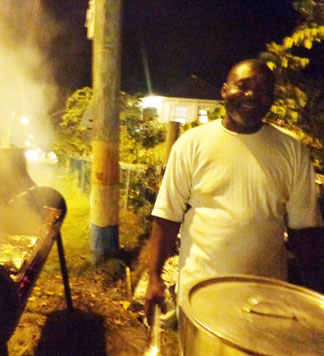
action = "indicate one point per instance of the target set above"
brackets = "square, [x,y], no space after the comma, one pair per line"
[245,315]
[155,335]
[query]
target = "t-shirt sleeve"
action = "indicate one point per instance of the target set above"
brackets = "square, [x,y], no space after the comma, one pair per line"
[302,208]
[173,196]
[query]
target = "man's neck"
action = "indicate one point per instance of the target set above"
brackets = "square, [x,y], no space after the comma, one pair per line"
[232,125]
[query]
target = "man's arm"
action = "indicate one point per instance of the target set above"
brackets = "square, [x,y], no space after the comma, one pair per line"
[163,237]
[306,244]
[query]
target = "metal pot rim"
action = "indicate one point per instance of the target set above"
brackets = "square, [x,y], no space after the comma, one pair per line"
[217,333]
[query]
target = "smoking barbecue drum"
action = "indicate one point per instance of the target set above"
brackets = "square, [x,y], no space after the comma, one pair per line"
[30,220]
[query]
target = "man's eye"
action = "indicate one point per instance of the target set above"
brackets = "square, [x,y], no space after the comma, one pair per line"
[243,86]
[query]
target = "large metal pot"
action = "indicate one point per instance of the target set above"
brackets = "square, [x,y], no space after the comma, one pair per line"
[246,315]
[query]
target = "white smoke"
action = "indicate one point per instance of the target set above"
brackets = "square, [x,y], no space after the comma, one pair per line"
[27,88]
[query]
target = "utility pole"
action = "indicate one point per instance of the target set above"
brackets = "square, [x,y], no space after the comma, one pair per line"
[105,140]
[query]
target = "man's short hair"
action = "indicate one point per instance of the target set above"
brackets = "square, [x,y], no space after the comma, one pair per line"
[257,64]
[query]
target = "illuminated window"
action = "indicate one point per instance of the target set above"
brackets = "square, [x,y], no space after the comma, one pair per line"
[180,114]
[203,116]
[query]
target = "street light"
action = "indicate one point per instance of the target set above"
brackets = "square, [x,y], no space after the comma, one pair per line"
[24,120]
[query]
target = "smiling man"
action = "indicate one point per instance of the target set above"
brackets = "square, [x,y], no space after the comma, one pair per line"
[236,186]
[248,95]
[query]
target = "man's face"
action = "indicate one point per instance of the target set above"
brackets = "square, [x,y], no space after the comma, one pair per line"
[248,95]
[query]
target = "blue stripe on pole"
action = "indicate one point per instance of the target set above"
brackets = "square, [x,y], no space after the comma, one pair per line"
[104,241]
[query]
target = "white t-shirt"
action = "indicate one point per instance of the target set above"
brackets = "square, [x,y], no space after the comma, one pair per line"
[242,190]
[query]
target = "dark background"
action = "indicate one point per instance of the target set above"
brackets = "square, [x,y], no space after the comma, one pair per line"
[176,38]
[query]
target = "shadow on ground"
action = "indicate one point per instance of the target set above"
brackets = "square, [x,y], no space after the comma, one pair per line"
[72,333]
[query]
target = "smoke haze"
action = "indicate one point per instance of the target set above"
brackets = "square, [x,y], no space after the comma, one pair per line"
[27,87]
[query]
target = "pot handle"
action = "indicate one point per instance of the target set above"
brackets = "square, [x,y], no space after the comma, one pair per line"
[270,309]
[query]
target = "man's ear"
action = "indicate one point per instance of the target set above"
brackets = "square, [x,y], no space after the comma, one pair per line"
[223,90]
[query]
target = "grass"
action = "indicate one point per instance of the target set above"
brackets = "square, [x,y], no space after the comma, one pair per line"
[75,229]
[76,234]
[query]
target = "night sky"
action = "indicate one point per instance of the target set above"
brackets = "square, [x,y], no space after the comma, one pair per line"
[177,38]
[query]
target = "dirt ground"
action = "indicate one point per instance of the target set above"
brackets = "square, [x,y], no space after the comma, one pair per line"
[104,322]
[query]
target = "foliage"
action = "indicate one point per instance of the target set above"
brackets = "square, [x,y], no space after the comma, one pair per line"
[70,140]
[311,10]
[140,132]
[140,188]
[142,126]
[131,151]
[141,143]
[218,113]
[280,56]
[151,179]
[298,100]
[312,119]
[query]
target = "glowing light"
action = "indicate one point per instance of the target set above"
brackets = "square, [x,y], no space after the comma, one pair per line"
[32,155]
[24,120]
[203,119]
[152,101]
[27,143]
[31,136]
[52,156]
[203,116]
[181,120]
[17,262]
[153,351]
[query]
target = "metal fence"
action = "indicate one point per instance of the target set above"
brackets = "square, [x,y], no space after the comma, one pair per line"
[81,168]
[134,179]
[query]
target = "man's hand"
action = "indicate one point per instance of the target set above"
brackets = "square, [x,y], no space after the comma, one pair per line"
[163,238]
[155,294]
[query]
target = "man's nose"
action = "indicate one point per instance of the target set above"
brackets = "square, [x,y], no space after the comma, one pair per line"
[249,93]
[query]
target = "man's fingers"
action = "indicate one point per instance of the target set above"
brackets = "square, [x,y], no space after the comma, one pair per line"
[149,309]
[163,307]
[154,295]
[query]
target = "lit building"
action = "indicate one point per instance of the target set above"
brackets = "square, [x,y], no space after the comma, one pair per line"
[192,101]
[189,102]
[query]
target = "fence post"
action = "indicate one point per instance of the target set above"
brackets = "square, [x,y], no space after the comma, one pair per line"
[129,173]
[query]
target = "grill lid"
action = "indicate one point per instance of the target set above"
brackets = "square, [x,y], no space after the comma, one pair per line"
[259,315]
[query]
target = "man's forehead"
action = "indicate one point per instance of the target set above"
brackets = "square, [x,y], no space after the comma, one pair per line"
[246,71]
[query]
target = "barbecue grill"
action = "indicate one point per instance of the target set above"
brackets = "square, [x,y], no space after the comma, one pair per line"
[30,221]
